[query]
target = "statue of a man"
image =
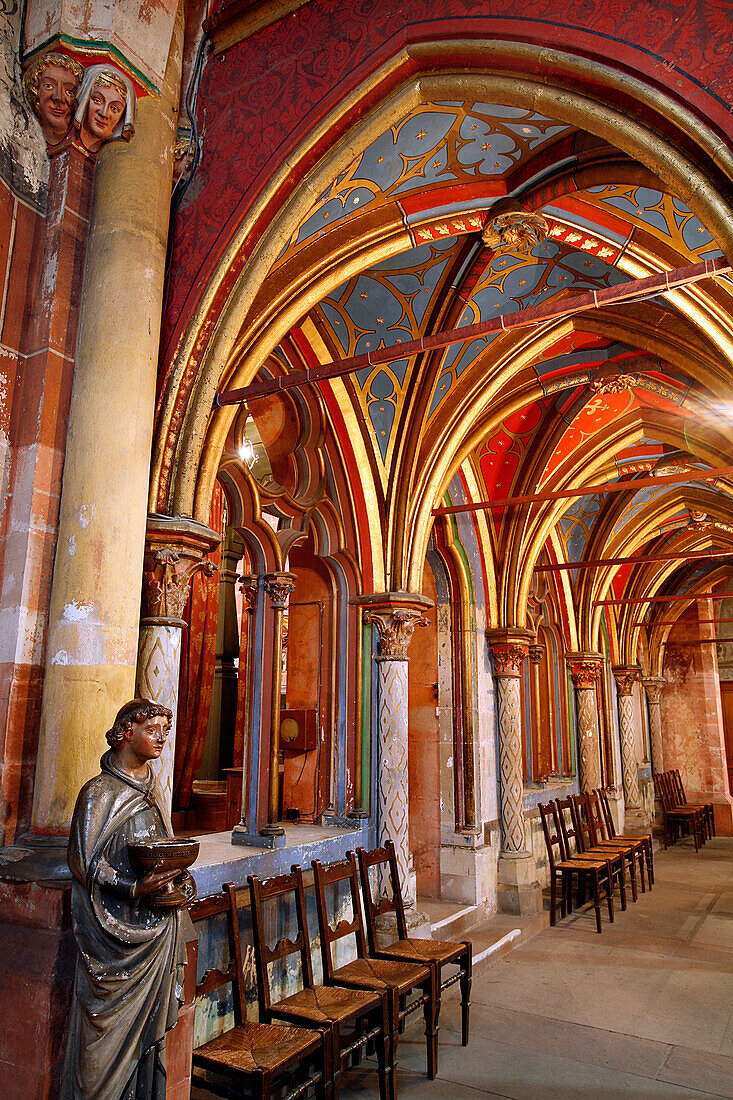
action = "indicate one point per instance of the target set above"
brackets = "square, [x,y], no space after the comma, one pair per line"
[129,974]
[51,83]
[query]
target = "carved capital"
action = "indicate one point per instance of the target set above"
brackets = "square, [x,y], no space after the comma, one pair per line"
[248,586]
[278,587]
[585,669]
[653,688]
[396,627]
[167,579]
[535,653]
[508,658]
[626,677]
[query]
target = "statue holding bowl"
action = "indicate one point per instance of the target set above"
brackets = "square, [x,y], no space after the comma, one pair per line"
[129,884]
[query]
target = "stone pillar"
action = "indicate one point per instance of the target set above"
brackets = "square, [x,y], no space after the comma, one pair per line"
[653,688]
[278,587]
[518,889]
[396,615]
[92,638]
[174,552]
[625,678]
[585,669]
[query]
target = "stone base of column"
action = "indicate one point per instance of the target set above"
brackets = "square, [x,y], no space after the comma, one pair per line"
[637,820]
[518,890]
[36,977]
[418,927]
[242,835]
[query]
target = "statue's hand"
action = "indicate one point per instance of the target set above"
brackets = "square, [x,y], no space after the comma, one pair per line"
[152,882]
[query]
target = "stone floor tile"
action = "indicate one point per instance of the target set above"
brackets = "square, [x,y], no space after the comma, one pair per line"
[713,1074]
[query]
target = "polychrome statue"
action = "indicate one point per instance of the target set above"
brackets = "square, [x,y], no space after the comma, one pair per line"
[51,84]
[105,108]
[129,974]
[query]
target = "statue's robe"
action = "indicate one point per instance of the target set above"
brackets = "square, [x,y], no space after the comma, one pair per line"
[129,974]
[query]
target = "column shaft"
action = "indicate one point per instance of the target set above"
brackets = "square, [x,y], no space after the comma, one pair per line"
[625,679]
[653,688]
[585,669]
[394,797]
[510,764]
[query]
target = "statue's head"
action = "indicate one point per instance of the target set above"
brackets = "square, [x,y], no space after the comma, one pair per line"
[51,84]
[106,107]
[132,714]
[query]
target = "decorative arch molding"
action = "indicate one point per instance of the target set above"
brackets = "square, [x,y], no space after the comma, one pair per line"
[204,350]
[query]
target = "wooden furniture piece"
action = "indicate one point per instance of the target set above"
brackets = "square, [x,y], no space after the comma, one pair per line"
[562,870]
[645,838]
[676,817]
[707,807]
[351,1018]
[437,953]
[398,977]
[592,827]
[254,1059]
[577,847]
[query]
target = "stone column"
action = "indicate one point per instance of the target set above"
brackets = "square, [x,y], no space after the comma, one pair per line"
[585,669]
[653,688]
[625,678]
[174,552]
[518,889]
[396,615]
[278,587]
[93,624]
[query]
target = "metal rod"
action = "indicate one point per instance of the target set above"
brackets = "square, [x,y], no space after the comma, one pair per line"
[626,292]
[663,599]
[588,490]
[676,622]
[560,566]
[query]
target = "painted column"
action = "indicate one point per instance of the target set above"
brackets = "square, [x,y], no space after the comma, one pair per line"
[93,624]
[396,620]
[625,678]
[518,890]
[174,552]
[278,587]
[653,688]
[585,669]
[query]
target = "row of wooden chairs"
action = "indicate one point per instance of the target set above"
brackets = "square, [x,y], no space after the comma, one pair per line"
[679,816]
[583,848]
[307,1039]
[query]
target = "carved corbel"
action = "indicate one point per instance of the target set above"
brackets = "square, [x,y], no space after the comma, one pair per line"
[396,627]
[585,670]
[167,584]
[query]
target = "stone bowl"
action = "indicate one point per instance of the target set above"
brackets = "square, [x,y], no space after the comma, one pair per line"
[166,854]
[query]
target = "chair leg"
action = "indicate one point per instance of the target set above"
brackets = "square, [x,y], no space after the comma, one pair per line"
[622,885]
[632,872]
[385,1058]
[553,891]
[356,1056]
[596,899]
[465,982]
[431,1009]
[609,896]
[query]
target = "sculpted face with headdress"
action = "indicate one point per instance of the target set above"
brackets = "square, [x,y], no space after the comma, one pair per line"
[105,109]
[51,84]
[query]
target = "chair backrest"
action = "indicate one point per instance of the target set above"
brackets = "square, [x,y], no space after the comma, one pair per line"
[596,821]
[234,973]
[666,794]
[565,823]
[581,818]
[385,860]
[343,870]
[553,838]
[607,816]
[281,887]
[678,786]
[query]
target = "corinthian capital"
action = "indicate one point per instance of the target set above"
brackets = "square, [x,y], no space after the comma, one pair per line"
[585,668]
[167,582]
[626,677]
[396,627]
[278,587]
[248,585]
[653,688]
[509,648]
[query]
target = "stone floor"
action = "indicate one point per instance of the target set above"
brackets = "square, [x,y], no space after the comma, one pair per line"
[643,1010]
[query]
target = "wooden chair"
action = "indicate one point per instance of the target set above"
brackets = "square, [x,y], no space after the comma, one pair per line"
[645,838]
[595,837]
[707,807]
[676,817]
[576,846]
[595,873]
[351,1018]
[252,1059]
[397,977]
[437,953]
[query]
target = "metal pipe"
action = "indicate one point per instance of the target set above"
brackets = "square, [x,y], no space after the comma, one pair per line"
[587,490]
[631,291]
[559,567]
[678,622]
[662,599]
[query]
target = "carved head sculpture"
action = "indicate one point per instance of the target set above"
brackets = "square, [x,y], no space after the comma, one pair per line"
[106,108]
[51,84]
[133,713]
